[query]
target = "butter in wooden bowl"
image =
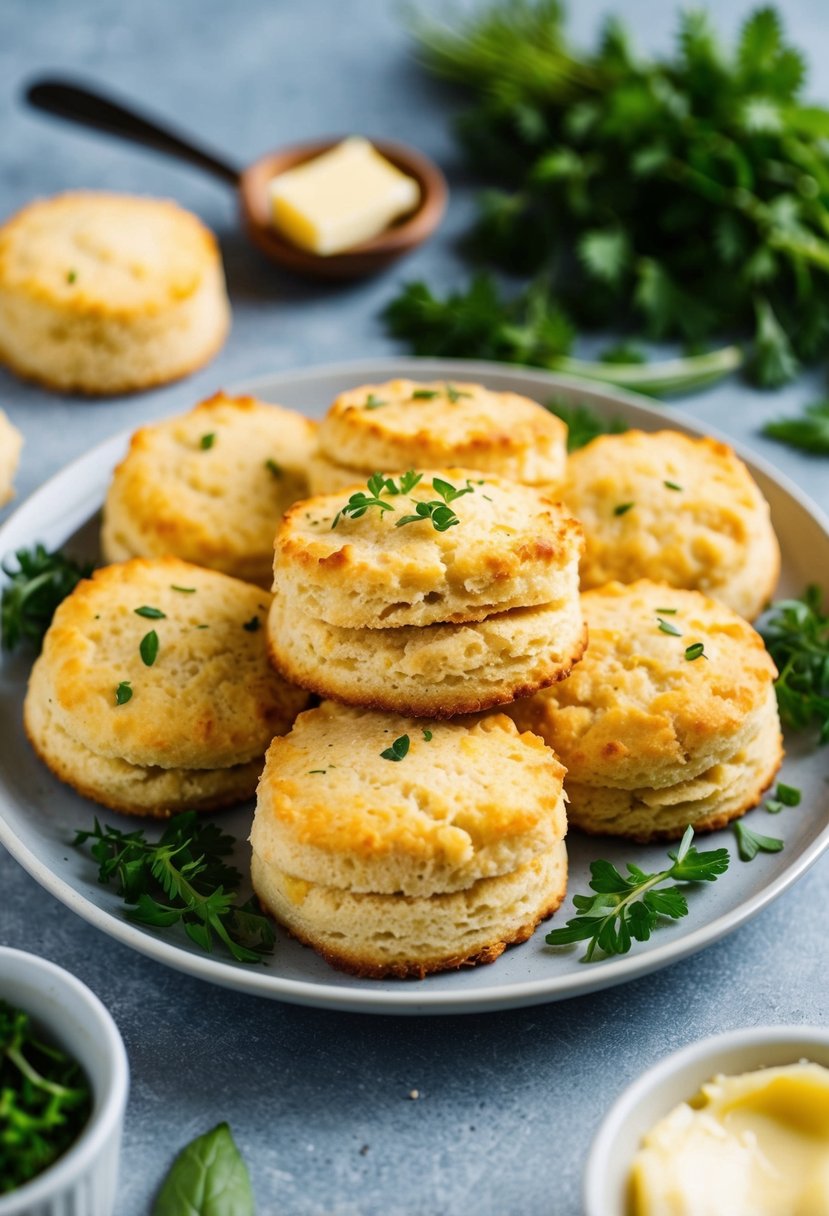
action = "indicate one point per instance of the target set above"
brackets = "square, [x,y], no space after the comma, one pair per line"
[341,198]
[756,1144]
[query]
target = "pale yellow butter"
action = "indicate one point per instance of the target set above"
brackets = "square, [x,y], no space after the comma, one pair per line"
[751,1145]
[341,198]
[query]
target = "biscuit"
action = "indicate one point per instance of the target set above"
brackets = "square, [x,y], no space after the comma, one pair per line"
[674,510]
[210,486]
[11,441]
[435,861]
[146,729]
[107,293]
[512,547]
[404,424]
[430,670]
[653,740]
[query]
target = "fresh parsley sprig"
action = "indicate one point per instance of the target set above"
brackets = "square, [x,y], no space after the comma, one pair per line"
[378,484]
[796,633]
[630,907]
[750,843]
[182,878]
[45,1100]
[808,433]
[437,510]
[34,590]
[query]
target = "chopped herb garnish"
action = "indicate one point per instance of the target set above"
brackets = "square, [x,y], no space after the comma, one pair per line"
[427,735]
[695,651]
[667,627]
[440,513]
[153,614]
[360,502]
[373,402]
[749,843]
[182,878]
[46,1101]
[671,485]
[784,795]
[623,508]
[71,276]
[455,394]
[311,771]
[33,592]
[201,626]
[797,638]
[667,611]
[206,442]
[148,648]
[183,590]
[273,468]
[123,692]
[252,625]
[628,907]
[425,394]
[398,750]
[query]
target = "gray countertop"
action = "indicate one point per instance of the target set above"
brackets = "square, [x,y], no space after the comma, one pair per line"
[319,1102]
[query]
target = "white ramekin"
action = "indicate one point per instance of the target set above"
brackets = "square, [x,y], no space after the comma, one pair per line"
[673,1080]
[81,1182]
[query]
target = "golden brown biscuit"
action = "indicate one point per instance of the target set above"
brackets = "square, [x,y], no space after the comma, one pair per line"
[400,867]
[653,733]
[674,510]
[158,665]
[405,424]
[429,670]
[106,293]
[210,486]
[512,547]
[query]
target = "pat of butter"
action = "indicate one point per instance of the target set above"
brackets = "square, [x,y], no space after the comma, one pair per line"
[341,198]
[751,1145]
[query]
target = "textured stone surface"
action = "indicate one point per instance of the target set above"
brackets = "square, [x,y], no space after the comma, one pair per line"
[318,1101]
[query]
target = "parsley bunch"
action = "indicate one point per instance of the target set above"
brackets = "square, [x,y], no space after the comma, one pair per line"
[796,634]
[45,1100]
[624,908]
[678,197]
[182,878]
[33,592]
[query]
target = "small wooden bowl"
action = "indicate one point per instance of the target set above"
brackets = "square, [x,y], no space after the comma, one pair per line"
[360,260]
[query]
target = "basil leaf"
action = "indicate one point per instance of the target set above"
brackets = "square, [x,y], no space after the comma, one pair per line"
[207,1178]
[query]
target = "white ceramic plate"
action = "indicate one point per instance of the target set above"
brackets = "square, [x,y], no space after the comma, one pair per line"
[38,815]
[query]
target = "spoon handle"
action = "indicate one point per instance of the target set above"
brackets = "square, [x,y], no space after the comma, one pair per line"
[90,109]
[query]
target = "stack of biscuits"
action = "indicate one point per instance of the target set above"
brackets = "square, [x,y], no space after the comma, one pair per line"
[394,841]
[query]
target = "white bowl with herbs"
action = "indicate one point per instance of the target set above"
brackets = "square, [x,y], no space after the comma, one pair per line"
[64,1079]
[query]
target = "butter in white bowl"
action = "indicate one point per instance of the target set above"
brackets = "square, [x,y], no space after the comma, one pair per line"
[750,1145]
[341,198]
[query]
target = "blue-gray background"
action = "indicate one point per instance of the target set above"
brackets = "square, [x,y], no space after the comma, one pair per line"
[319,1101]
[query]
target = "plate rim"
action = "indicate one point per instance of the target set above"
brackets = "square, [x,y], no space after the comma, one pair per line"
[410,1000]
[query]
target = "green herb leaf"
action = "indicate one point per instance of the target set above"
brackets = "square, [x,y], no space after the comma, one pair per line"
[667,611]
[206,442]
[41,581]
[252,625]
[583,424]
[123,692]
[667,627]
[455,394]
[207,1178]
[749,843]
[182,878]
[695,651]
[148,648]
[372,402]
[427,735]
[71,276]
[46,1100]
[425,394]
[273,468]
[808,433]
[623,507]
[153,614]
[183,590]
[627,908]
[671,485]
[398,750]
[796,634]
